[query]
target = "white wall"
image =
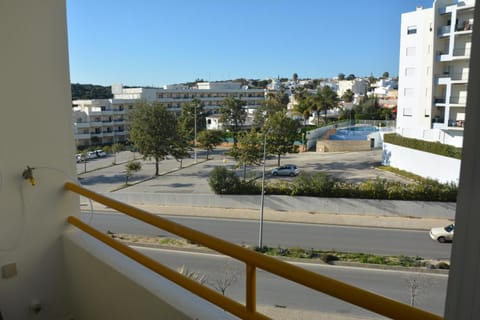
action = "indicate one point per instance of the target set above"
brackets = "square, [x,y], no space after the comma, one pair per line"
[35,130]
[428,165]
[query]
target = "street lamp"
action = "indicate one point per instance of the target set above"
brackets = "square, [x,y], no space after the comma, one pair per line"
[195,133]
[262,197]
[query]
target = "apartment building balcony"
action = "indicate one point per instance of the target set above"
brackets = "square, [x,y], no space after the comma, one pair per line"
[439,102]
[452,77]
[458,101]
[82,136]
[82,124]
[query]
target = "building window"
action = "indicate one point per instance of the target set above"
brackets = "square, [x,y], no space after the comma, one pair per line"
[408,92]
[409,72]
[407,112]
[411,51]
[412,30]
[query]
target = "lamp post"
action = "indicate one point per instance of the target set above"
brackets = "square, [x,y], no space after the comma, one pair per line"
[262,197]
[195,133]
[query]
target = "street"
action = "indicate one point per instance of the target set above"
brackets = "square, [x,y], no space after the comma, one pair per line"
[275,292]
[290,235]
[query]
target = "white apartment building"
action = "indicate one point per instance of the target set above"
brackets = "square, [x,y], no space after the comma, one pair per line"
[103,121]
[358,86]
[433,71]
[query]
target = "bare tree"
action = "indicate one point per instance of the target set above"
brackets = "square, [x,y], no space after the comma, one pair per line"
[417,284]
[227,276]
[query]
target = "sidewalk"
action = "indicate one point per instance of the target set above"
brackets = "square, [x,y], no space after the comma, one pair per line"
[291,216]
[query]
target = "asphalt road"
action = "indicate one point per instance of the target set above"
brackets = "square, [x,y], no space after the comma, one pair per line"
[290,235]
[273,291]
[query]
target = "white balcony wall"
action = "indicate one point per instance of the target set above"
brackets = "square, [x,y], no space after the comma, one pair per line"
[107,285]
[35,85]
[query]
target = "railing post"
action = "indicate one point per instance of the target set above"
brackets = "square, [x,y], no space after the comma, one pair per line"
[251,290]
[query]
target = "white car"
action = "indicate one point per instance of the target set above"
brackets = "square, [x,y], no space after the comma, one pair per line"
[443,234]
[100,153]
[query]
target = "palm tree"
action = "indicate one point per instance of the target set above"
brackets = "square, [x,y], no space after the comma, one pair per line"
[325,99]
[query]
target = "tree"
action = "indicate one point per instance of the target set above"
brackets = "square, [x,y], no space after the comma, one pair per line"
[416,286]
[227,276]
[116,148]
[385,75]
[295,77]
[249,150]
[348,95]
[302,108]
[281,132]
[303,105]
[209,139]
[181,147]
[341,76]
[274,102]
[132,167]
[351,76]
[186,122]
[326,99]
[153,131]
[233,115]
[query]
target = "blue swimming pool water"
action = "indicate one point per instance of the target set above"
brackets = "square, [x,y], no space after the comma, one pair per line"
[353,133]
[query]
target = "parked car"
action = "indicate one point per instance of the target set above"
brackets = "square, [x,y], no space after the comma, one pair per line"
[79,157]
[286,170]
[92,155]
[100,153]
[443,234]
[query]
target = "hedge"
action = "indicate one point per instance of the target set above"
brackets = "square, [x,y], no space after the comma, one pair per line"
[322,185]
[427,146]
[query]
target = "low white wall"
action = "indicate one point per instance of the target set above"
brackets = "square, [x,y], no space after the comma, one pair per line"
[104,284]
[425,164]
[288,203]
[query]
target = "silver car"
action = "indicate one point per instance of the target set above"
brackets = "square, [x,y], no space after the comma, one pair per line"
[286,170]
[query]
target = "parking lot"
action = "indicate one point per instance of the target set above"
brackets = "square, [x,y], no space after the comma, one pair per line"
[102,176]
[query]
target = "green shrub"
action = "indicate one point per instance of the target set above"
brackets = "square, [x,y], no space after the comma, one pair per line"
[328,257]
[317,184]
[442,265]
[224,181]
[427,146]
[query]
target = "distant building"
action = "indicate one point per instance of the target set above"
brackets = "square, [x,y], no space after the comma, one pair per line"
[433,71]
[358,86]
[103,121]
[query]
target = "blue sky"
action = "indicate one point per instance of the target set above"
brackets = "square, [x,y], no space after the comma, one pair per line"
[153,43]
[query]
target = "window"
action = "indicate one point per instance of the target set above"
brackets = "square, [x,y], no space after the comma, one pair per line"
[407,112]
[409,72]
[412,30]
[408,92]
[411,51]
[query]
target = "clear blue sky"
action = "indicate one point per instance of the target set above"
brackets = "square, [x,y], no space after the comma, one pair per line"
[148,42]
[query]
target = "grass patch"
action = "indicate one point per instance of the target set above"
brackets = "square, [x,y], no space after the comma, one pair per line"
[330,256]
[402,173]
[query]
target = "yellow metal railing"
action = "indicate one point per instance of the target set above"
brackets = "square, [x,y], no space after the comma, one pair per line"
[360,297]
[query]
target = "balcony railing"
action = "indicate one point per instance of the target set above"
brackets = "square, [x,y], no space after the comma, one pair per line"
[253,260]
[454,76]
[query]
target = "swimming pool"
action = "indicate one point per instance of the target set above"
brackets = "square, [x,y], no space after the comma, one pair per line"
[353,133]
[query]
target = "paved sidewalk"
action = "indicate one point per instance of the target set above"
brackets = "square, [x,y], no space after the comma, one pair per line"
[293,216]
